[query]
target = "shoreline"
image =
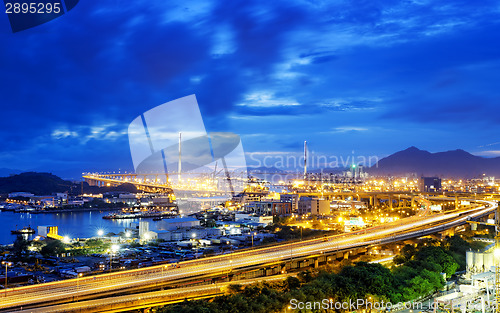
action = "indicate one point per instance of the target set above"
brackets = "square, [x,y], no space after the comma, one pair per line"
[64,210]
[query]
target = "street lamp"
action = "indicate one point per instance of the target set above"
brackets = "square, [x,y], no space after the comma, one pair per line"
[195,242]
[77,284]
[7,264]
[496,253]
[114,249]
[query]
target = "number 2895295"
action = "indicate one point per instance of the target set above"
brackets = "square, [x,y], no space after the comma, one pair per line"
[32,7]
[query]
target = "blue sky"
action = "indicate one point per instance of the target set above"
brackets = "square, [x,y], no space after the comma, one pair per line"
[372,77]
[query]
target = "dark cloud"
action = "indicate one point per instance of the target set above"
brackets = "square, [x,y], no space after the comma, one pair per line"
[260,30]
[106,62]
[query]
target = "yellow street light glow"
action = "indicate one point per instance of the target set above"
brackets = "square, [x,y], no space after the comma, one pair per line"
[496,252]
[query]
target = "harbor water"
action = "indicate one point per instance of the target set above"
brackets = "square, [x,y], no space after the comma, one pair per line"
[72,224]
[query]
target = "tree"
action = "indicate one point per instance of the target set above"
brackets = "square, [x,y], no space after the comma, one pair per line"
[406,254]
[96,245]
[457,247]
[421,286]
[432,254]
[20,246]
[435,279]
[53,247]
[370,278]
[292,283]
[234,288]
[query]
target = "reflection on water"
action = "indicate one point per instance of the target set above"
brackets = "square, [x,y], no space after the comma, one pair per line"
[27,236]
[72,224]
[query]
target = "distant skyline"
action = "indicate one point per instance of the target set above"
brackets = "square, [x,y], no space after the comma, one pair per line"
[369,77]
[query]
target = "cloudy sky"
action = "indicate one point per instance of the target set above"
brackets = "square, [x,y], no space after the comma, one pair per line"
[372,77]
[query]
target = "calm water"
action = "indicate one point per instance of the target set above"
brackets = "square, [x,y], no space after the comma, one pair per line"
[73,224]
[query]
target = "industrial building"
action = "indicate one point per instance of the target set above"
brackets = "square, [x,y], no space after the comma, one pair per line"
[175,223]
[313,206]
[430,184]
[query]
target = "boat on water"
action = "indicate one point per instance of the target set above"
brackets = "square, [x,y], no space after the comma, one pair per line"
[155,215]
[22,231]
[119,216]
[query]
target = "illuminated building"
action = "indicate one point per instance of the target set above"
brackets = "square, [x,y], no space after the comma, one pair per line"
[430,184]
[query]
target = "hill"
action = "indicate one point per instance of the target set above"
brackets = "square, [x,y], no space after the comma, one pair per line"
[36,183]
[454,163]
[47,183]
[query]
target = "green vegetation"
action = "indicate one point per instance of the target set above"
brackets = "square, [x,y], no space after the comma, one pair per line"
[92,246]
[57,247]
[417,274]
[53,247]
[20,247]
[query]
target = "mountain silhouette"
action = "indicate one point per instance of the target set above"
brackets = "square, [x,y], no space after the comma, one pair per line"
[451,164]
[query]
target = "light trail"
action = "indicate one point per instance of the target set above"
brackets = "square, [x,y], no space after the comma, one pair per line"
[67,290]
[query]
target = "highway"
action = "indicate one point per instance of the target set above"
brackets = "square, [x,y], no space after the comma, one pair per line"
[70,290]
[148,299]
